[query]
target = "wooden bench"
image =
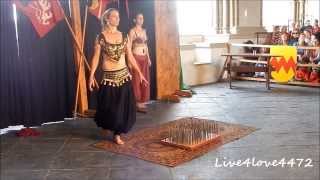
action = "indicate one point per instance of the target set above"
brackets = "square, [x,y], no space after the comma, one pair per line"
[245,68]
[267,79]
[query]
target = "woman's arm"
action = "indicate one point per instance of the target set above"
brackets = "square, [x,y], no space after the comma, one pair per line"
[316,59]
[132,62]
[146,37]
[131,36]
[149,60]
[94,64]
[130,39]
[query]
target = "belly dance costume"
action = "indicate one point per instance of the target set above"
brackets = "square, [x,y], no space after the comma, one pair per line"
[116,109]
[141,92]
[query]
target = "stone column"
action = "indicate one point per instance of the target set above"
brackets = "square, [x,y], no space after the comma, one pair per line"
[226,16]
[219,16]
[248,19]
[296,11]
[301,11]
[234,17]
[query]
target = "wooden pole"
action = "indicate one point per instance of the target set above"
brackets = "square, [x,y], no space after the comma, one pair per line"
[81,61]
[79,48]
[76,26]
[79,64]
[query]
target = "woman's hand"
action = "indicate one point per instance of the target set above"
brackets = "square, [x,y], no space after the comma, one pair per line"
[143,80]
[149,62]
[91,83]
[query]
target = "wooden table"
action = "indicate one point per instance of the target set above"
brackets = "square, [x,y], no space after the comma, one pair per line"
[243,68]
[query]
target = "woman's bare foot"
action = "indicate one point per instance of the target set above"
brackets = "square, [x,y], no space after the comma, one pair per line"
[141,107]
[117,140]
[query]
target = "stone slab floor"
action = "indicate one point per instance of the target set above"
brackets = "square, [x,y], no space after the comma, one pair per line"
[288,118]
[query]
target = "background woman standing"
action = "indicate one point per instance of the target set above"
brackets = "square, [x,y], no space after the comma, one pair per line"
[138,38]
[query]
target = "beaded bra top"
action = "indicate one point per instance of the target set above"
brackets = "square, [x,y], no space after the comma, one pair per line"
[139,40]
[113,51]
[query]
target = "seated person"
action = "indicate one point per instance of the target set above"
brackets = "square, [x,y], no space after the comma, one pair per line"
[268,41]
[284,39]
[276,35]
[310,57]
[284,29]
[249,50]
[303,73]
[315,27]
[300,42]
[294,37]
[307,39]
[315,59]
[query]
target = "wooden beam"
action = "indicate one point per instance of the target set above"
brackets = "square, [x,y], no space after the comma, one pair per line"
[309,65]
[269,46]
[299,83]
[167,49]
[76,26]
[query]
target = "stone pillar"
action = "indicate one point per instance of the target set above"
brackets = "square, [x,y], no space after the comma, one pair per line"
[248,18]
[236,13]
[231,8]
[226,16]
[301,11]
[234,16]
[296,11]
[219,16]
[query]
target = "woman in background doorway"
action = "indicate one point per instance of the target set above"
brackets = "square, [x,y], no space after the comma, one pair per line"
[138,38]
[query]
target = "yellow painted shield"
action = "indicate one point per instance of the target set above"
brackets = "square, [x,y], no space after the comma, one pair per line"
[283,67]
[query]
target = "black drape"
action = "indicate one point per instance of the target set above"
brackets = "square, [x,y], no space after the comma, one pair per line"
[42,78]
[94,27]
[9,57]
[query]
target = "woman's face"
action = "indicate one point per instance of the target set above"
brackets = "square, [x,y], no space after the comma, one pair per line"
[295,34]
[139,19]
[284,37]
[301,36]
[314,40]
[113,18]
[307,34]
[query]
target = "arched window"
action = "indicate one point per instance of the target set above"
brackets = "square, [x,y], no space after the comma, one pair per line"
[277,13]
[312,10]
[196,17]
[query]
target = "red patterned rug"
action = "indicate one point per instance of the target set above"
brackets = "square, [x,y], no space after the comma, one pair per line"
[145,143]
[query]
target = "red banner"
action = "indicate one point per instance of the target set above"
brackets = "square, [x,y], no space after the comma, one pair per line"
[43,14]
[97,7]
